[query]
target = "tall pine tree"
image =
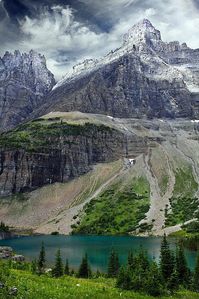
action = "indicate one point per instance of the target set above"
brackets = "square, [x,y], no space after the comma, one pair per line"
[140,270]
[42,260]
[182,269]
[131,260]
[34,266]
[113,264]
[153,282]
[124,278]
[167,260]
[84,269]
[66,268]
[142,259]
[173,281]
[58,268]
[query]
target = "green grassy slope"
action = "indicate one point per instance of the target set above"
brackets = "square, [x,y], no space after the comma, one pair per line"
[184,203]
[50,202]
[118,210]
[37,135]
[35,287]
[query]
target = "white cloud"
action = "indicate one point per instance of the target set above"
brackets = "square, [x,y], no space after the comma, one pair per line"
[105,4]
[58,32]
[149,12]
[180,21]
[51,29]
[177,20]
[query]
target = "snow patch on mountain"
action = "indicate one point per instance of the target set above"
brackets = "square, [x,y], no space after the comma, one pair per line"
[165,61]
[143,32]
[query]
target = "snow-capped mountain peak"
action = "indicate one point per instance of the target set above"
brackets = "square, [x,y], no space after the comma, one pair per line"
[142,32]
[143,42]
[138,38]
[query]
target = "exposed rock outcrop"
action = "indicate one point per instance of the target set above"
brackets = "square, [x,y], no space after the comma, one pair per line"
[24,81]
[38,154]
[167,146]
[144,77]
[6,252]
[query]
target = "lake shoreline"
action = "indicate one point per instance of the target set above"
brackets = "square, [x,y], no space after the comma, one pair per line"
[17,233]
[98,248]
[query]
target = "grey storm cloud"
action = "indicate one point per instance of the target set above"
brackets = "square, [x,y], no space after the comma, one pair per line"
[67,32]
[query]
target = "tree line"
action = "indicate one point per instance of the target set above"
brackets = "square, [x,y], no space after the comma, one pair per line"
[140,273]
[59,269]
[4,228]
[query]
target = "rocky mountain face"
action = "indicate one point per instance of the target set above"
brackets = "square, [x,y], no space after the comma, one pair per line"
[162,154]
[24,81]
[37,154]
[144,77]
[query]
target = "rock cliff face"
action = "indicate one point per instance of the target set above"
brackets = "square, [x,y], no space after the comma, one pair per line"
[24,81]
[37,154]
[144,77]
[6,235]
[122,89]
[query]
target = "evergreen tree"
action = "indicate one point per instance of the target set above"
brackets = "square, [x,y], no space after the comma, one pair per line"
[117,264]
[142,260]
[42,260]
[140,268]
[173,281]
[196,276]
[66,268]
[3,227]
[84,269]
[113,264]
[183,272]
[34,266]
[124,278]
[140,271]
[58,268]
[98,274]
[138,280]
[167,260]
[131,260]
[153,284]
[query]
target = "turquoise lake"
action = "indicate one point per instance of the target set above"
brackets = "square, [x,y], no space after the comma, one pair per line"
[97,248]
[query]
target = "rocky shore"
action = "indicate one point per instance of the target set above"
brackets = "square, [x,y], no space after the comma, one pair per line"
[8,253]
